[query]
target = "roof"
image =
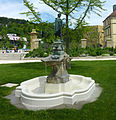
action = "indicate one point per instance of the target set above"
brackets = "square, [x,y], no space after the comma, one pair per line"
[113,14]
[16,38]
[12,37]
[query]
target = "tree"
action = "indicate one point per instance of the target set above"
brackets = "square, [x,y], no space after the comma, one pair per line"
[32,12]
[92,35]
[20,42]
[5,39]
[70,8]
[47,32]
[1,44]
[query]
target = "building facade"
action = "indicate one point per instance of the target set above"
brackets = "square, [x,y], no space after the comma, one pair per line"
[100,35]
[110,29]
[14,38]
[95,36]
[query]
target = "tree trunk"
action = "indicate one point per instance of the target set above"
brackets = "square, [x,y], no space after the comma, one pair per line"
[67,29]
[67,36]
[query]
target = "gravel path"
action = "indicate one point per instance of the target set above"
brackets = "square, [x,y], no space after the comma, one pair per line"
[74,59]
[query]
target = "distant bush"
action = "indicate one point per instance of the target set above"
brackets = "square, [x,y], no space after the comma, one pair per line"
[39,52]
[90,51]
[74,52]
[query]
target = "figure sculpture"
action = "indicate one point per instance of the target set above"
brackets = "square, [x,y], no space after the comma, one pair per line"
[58,28]
[58,59]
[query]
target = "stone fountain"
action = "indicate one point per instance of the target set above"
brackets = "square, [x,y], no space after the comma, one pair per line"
[58,61]
[58,87]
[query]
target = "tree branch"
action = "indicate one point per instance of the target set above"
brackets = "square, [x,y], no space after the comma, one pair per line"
[75,6]
[47,3]
[84,14]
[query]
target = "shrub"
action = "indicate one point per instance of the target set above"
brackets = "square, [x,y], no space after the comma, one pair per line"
[114,50]
[39,52]
[111,53]
[74,51]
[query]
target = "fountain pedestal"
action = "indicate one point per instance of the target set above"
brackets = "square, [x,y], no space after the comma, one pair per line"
[59,73]
[58,61]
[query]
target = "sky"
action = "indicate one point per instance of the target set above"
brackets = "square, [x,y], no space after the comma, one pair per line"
[13,8]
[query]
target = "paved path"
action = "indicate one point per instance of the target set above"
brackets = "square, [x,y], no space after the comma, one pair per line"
[93,59]
[78,59]
[17,61]
[12,56]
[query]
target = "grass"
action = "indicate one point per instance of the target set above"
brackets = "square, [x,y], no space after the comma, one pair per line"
[103,72]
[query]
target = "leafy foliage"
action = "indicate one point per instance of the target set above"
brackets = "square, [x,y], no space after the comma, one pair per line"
[75,51]
[32,12]
[14,26]
[5,40]
[39,52]
[69,8]
[22,28]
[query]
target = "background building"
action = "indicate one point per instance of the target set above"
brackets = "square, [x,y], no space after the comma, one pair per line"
[110,29]
[14,38]
[94,36]
[100,35]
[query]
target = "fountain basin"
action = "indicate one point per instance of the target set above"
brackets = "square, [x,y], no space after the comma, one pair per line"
[37,94]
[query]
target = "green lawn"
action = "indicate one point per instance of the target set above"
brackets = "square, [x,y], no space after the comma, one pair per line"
[103,72]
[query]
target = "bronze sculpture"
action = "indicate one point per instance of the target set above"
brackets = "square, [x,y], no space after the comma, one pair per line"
[58,28]
[58,59]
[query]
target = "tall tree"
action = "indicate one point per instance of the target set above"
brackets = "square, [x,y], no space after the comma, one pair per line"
[35,15]
[4,37]
[70,8]
[74,9]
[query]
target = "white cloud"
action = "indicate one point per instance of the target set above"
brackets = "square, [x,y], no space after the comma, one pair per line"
[43,8]
[12,8]
[97,20]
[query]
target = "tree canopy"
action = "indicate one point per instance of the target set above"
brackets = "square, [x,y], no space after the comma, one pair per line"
[75,9]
